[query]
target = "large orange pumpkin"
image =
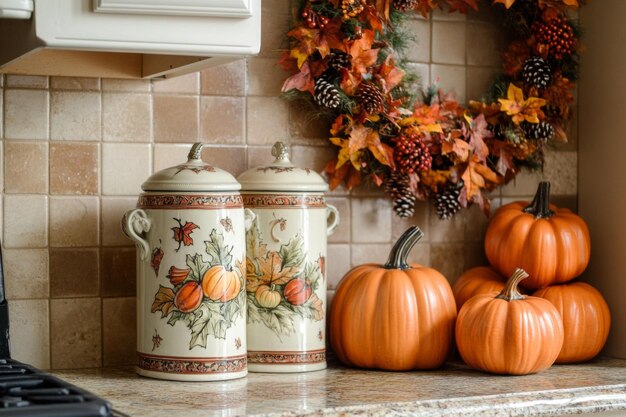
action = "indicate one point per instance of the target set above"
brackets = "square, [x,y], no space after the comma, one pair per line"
[586,319]
[394,316]
[550,243]
[220,284]
[479,280]
[509,333]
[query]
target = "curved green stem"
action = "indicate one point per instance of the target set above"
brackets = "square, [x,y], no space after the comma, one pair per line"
[401,249]
[510,291]
[540,206]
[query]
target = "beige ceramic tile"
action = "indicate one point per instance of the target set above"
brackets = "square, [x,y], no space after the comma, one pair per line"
[474,256]
[338,263]
[420,219]
[304,129]
[26,273]
[371,220]
[342,232]
[274,26]
[232,159]
[561,169]
[525,183]
[479,81]
[117,269]
[449,43]
[25,221]
[491,41]
[26,167]
[420,254]
[445,15]
[124,168]
[267,120]
[119,329]
[74,83]
[485,13]
[363,253]
[75,333]
[136,86]
[265,77]
[224,80]
[113,209]
[166,155]
[565,201]
[175,118]
[475,224]
[313,157]
[126,117]
[26,81]
[74,273]
[448,258]
[260,155]
[74,168]
[451,78]
[422,71]
[222,119]
[75,115]
[30,332]
[418,50]
[185,84]
[74,221]
[449,230]
[26,114]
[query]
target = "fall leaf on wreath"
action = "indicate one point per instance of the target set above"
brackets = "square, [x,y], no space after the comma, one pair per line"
[477,133]
[425,118]
[425,7]
[505,162]
[573,4]
[362,137]
[182,233]
[514,57]
[507,3]
[163,301]
[521,110]
[435,179]
[475,178]
[462,6]
[302,81]
[363,56]
[311,41]
[456,146]
[389,75]
[491,111]
[272,271]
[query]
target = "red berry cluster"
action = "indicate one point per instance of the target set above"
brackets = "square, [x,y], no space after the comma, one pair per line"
[557,36]
[411,154]
[314,19]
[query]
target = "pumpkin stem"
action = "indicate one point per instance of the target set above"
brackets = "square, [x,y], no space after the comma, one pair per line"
[402,247]
[540,206]
[510,291]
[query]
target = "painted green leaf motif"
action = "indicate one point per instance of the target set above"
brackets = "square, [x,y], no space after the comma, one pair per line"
[197,265]
[219,253]
[278,319]
[176,315]
[312,273]
[292,253]
[206,320]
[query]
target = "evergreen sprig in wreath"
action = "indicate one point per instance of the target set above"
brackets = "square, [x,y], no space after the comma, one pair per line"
[346,57]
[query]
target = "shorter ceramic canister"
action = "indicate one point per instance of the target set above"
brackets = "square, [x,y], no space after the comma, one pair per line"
[191,301]
[286,265]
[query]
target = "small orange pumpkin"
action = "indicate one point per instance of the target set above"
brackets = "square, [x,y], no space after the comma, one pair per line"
[220,284]
[552,244]
[586,319]
[188,297]
[267,297]
[479,280]
[394,316]
[509,333]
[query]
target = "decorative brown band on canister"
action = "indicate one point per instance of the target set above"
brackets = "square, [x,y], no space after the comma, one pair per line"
[189,201]
[288,358]
[285,201]
[178,365]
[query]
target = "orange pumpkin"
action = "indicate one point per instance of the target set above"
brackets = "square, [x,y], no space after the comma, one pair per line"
[586,319]
[479,280]
[394,316]
[267,297]
[550,243]
[188,297]
[509,333]
[220,284]
[297,291]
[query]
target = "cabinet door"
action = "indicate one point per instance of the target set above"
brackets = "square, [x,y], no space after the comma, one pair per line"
[218,8]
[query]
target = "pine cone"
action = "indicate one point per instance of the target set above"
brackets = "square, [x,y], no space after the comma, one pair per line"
[326,94]
[398,187]
[405,5]
[370,98]
[541,130]
[411,154]
[338,60]
[537,72]
[447,201]
[557,36]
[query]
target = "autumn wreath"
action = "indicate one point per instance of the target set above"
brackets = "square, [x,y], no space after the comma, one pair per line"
[345,57]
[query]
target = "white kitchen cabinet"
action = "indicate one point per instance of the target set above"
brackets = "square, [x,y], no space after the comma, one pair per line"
[128,38]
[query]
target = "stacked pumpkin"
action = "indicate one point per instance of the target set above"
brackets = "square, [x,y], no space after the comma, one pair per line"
[541,248]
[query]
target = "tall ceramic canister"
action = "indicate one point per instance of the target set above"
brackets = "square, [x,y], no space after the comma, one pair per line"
[191,302]
[286,265]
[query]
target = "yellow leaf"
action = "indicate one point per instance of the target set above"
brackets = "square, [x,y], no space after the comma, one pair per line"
[518,108]
[507,3]
[163,301]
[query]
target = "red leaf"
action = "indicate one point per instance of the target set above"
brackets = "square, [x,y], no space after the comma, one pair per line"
[302,81]
[181,233]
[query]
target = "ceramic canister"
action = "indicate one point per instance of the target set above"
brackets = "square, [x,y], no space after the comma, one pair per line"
[191,299]
[286,265]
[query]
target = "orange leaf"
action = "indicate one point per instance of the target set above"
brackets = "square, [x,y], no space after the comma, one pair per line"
[182,233]
[272,271]
[363,56]
[302,81]
[163,301]
[507,3]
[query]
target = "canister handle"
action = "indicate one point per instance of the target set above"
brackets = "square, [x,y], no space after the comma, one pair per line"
[135,224]
[332,219]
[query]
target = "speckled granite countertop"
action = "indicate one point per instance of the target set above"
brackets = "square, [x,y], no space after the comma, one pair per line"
[596,386]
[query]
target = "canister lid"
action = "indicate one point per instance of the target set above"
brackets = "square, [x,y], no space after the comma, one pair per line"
[281,175]
[193,175]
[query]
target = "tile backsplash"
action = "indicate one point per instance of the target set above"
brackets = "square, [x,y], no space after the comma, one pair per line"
[74,152]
